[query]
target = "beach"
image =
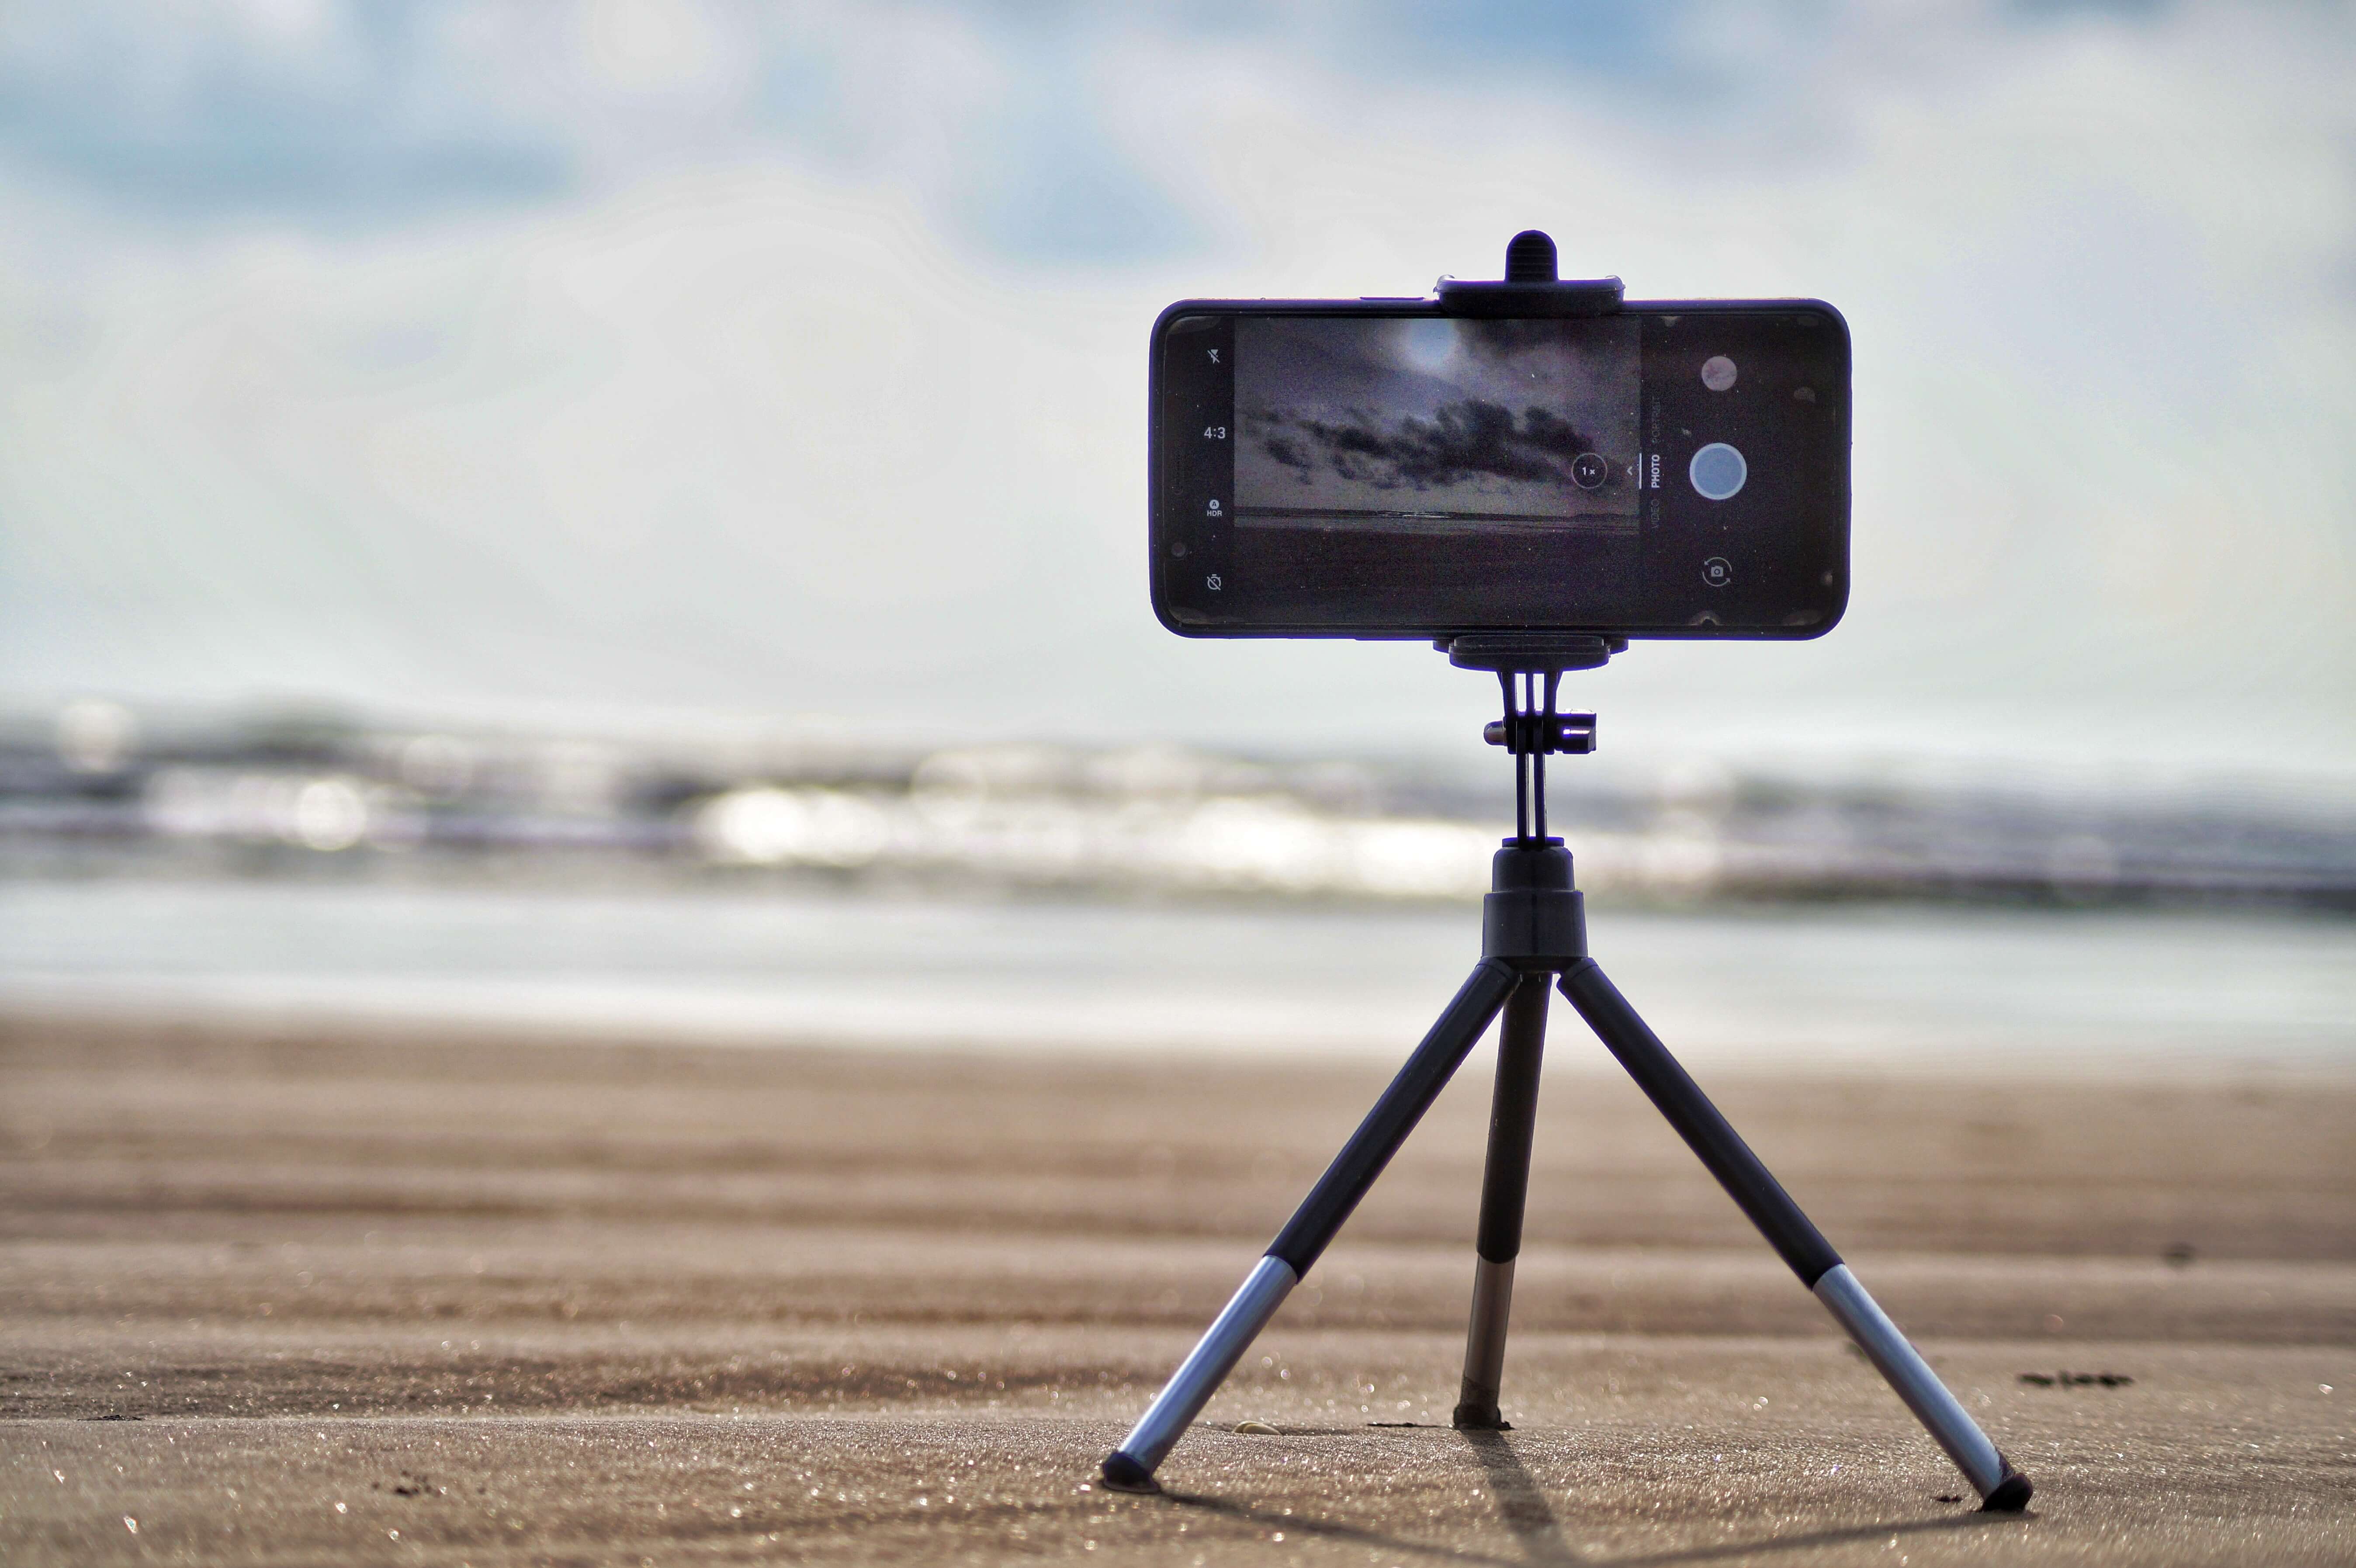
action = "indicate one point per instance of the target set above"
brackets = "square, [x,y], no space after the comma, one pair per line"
[385,1292]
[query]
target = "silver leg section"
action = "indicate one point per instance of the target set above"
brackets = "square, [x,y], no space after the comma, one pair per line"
[1920,1387]
[1198,1376]
[1484,1343]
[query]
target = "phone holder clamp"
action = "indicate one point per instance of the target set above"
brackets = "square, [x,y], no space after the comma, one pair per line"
[1530,286]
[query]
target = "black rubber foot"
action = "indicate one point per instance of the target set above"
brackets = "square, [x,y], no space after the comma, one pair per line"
[1123,1474]
[2011,1494]
[1479,1418]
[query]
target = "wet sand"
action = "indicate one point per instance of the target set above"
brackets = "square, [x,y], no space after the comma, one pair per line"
[393,1297]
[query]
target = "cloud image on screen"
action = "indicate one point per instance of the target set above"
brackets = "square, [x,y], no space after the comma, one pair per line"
[1432,421]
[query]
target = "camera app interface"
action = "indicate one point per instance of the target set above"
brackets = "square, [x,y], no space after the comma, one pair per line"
[1437,426]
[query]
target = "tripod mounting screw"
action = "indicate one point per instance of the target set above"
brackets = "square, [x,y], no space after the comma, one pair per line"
[1543,733]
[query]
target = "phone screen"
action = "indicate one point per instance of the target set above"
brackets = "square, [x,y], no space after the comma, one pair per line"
[1356,472]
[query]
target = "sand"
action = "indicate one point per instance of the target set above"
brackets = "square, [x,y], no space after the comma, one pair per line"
[362,1297]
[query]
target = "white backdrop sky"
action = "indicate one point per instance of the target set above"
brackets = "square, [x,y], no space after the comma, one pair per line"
[637,357]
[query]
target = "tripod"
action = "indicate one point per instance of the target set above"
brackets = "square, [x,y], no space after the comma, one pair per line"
[1534,937]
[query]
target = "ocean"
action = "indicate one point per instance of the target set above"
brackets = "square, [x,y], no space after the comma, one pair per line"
[1950,990]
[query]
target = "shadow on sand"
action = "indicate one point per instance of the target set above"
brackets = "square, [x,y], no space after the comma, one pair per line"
[1521,1506]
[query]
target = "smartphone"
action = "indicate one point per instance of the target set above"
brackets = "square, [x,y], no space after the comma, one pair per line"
[1381,468]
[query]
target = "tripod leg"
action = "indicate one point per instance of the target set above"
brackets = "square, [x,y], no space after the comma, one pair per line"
[1791,1234]
[1313,1225]
[1504,1186]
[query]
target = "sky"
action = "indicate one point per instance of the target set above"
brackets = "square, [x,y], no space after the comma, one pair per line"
[633,358]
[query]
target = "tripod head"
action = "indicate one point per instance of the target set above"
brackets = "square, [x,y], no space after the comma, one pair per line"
[1530,667]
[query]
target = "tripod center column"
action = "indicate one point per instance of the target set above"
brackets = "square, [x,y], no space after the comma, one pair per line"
[1533,916]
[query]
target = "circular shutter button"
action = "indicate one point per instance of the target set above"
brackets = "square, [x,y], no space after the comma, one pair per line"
[1717,471]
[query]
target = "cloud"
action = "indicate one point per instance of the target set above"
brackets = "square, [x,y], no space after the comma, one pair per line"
[309,109]
[1463,443]
[332,114]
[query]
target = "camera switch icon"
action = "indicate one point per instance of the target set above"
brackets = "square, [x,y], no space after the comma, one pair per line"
[1718,571]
